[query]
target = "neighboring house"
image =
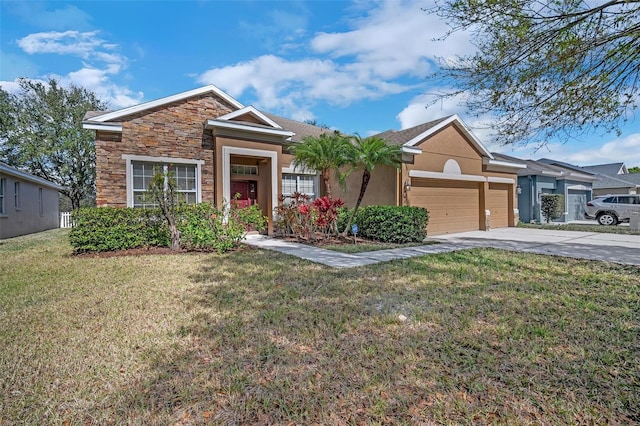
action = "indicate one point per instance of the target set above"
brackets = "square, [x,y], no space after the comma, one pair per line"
[539,178]
[607,169]
[28,203]
[613,178]
[218,147]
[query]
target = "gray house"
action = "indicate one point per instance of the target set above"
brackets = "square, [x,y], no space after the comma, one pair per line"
[539,178]
[28,203]
[612,178]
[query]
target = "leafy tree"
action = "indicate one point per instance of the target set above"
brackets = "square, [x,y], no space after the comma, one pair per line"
[366,154]
[547,68]
[41,132]
[634,169]
[324,153]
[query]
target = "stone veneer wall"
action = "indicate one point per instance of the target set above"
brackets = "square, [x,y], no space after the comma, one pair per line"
[173,130]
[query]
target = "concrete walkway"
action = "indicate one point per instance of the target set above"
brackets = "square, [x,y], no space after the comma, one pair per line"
[344,260]
[618,248]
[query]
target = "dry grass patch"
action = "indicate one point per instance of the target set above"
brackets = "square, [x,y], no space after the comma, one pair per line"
[473,337]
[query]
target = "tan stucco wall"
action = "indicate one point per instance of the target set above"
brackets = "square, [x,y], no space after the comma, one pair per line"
[381,189]
[606,191]
[446,144]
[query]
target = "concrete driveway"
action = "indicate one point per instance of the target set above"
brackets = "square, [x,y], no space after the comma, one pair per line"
[617,248]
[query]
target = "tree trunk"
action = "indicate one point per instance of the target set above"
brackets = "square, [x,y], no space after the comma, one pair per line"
[175,234]
[366,175]
[327,184]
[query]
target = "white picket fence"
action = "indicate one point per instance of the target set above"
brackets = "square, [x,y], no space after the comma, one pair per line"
[65,220]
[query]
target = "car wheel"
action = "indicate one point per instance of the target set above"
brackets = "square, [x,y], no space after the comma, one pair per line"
[607,219]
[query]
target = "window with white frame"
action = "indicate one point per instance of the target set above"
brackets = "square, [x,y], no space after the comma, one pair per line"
[16,195]
[304,184]
[184,176]
[3,183]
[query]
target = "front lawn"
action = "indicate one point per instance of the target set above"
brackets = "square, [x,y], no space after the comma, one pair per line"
[257,337]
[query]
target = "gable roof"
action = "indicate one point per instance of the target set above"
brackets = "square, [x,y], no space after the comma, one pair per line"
[113,115]
[607,169]
[608,181]
[540,168]
[250,110]
[12,171]
[412,136]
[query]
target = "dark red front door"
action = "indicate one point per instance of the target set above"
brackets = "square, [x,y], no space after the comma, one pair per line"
[247,193]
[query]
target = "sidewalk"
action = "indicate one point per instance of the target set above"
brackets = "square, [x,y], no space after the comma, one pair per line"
[344,260]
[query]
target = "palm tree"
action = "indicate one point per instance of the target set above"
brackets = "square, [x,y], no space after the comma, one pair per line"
[329,151]
[366,154]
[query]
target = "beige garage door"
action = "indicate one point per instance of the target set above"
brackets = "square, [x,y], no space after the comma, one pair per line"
[498,204]
[454,206]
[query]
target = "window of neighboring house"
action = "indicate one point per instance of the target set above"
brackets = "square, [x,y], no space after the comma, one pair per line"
[16,195]
[304,184]
[3,183]
[183,174]
[40,202]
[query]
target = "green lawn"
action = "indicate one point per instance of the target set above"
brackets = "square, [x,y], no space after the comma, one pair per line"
[619,229]
[257,337]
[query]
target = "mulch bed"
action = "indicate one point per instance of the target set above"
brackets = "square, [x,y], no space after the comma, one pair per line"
[145,251]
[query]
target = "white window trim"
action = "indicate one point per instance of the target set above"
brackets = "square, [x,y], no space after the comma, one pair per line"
[3,188]
[228,151]
[17,203]
[297,176]
[167,160]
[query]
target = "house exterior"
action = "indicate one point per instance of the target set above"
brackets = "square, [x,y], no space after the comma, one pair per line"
[218,147]
[28,204]
[612,178]
[448,171]
[539,178]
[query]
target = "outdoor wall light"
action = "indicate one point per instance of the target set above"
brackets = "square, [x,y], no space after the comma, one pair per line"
[518,190]
[407,186]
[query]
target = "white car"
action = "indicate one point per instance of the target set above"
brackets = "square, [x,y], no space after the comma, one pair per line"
[612,209]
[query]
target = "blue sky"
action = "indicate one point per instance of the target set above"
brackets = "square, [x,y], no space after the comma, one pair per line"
[357,66]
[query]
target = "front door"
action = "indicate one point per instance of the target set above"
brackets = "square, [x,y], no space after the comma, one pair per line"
[244,193]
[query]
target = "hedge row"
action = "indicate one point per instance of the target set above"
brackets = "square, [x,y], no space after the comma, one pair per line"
[201,227]
[110,228]
[390,224]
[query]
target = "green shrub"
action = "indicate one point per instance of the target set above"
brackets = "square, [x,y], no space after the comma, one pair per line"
[109,228]
[390,224]
[551,206]
[201,226]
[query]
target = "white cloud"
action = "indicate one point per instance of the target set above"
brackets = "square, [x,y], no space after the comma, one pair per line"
[289,86]
[86,45]
[388,51]
[100,64]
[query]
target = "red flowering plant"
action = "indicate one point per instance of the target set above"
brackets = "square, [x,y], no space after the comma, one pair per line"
[327,214]
[299,217]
